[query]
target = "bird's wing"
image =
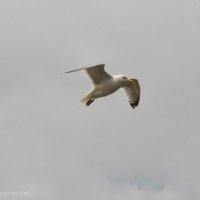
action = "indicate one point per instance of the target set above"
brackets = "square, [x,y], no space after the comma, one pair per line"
[133,93]
[96,73]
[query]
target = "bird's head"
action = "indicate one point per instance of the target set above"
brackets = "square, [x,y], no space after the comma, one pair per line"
[124,81]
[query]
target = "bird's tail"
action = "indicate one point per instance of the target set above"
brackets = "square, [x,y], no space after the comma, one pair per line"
[87,97]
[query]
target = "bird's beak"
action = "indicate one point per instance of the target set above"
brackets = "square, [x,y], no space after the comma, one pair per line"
[130,81]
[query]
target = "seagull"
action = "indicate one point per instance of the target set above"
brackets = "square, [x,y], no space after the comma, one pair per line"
[104,84]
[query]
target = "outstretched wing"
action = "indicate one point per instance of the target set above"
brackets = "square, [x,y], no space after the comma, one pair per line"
[133,93]
[96,73]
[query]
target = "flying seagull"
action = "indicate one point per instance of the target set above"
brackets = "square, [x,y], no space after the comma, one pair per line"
[104,84]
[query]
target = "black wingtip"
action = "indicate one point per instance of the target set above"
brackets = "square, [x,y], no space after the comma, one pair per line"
[133,105]
[136,103]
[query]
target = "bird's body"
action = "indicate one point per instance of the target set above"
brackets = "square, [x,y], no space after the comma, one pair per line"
[102,89]
[104,84]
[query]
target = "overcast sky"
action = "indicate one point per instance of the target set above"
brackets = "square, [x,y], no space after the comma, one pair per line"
[53,146]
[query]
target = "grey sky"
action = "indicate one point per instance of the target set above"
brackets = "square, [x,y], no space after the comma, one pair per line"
[56,148]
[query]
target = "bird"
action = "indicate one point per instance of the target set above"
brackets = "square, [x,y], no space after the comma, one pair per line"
[104,84]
